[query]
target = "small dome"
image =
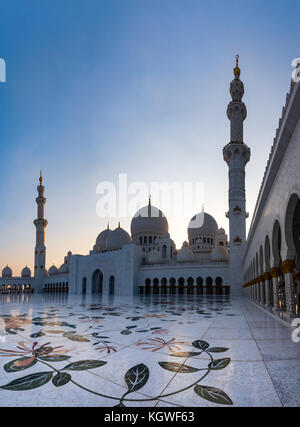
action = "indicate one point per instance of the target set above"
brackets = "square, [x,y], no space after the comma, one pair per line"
[64,268]
[7,272]
[52,270]
[221,231]
[185,254]
[26,272]
[219,254]
[102,239]
[154,257]
[117,239]
[202,224]
[149,219]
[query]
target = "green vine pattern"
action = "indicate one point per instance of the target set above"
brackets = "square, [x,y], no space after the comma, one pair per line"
[135,378]
[26,356]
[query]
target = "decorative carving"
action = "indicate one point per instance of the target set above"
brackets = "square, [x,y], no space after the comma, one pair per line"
[267,276]
[261,278]
[237,209]
[288,266]
[237,240]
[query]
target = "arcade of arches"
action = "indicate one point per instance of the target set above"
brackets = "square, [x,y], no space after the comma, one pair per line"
[182,286]
[276,285]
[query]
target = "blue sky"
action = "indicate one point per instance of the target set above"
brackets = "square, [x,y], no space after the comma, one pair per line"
[98,88]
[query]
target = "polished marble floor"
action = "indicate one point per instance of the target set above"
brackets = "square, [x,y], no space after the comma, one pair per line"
[59,350]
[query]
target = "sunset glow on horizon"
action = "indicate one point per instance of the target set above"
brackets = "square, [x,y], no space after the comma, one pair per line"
[98,89]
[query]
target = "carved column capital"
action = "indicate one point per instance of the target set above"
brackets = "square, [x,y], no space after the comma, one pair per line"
[267,276]
[275,272]
[288,266]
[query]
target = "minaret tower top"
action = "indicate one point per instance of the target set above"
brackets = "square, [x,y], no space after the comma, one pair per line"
[236,111]
[236,155]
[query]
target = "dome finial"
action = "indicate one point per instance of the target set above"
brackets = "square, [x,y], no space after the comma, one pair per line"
[202,207]
[108,226]
[119,225]
[149,199]
[236,70]
[41,178]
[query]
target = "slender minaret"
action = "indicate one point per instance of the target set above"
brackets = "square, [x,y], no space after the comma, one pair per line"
[40,248]
[236,155]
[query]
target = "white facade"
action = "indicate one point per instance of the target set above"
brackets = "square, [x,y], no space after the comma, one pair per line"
[271,262]
[148,261]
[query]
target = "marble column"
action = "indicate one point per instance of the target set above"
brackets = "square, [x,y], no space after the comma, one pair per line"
[268,278]
[275,272]
[262,290]
[288,268]
[259,291]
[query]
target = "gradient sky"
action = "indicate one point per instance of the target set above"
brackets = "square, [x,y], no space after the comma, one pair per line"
[101,87]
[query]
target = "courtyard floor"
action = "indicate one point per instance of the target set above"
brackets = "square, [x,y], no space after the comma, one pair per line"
[60,350]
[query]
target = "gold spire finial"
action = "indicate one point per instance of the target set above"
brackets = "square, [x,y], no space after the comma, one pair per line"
[41,178]
[149,199]
[119,225]
[237,70]
[108,225]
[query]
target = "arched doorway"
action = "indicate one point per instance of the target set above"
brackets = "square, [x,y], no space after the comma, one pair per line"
[292,229]
[292,233]
[97,282]
[181,286]
[276,249]
[199,282]
[84,285]
[164,285]
[190,286]
[219,284]
[155,286]
[148,286]
[172,286]
[111,285]
[209,287]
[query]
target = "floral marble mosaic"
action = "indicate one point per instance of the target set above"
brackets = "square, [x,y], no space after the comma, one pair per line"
[59,350]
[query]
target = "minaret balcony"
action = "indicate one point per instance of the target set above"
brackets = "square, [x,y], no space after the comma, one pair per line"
[237,241]
[237,210]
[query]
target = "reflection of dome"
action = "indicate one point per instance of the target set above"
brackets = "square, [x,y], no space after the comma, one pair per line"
[185,254]
[117,239]
[26,272]
[52,270]
[202,224]
[149,219]
[6,272]
[154,257]
[219,254]
[64,268]
[102,239]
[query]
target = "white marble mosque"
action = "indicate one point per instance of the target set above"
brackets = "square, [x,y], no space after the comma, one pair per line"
[265,265]
[138,322]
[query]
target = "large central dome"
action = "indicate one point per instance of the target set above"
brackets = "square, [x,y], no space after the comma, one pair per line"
[149,220]
[202,224]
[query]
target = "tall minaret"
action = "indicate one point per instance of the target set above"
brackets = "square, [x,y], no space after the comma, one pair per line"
[237,155]
[40,248]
